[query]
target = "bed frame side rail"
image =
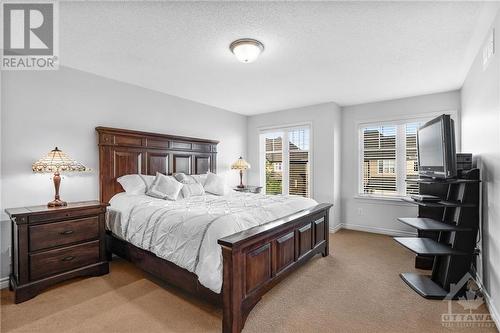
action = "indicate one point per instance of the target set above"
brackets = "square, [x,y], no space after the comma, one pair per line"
[258,258]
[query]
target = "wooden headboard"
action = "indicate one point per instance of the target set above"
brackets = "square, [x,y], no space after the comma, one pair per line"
[124,152]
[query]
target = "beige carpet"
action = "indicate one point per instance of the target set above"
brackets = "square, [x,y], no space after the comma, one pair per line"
[356,289]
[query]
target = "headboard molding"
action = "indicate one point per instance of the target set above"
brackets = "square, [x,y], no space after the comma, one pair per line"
[123,151]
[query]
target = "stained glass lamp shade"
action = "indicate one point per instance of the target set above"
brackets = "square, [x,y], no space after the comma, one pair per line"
[55,162]
[241,165]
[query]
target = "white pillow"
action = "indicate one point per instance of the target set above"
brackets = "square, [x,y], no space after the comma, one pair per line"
[202,179]
[132,184]
[215,184]
[192,186]
[191,190]
[183,178]
[148,179]
[165,187]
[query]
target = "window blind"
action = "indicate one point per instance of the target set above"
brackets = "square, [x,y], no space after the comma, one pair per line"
[287,166]
[411,157]
[389,157]
[298,143]
[379,160]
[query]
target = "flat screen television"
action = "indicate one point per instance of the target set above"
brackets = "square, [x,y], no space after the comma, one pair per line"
[436,148]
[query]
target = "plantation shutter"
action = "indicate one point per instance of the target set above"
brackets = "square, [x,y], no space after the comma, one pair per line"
[411,157]
[298,150]
[379,149]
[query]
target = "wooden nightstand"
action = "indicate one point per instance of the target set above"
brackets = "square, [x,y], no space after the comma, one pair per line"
[53,244]
[249,189]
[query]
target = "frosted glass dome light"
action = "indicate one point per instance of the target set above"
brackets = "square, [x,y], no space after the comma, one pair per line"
[246,50]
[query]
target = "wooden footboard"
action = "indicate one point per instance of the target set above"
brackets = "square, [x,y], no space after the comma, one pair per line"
[254,261]
[258,258]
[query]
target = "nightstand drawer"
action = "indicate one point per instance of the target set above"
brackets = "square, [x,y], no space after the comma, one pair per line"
[60,233]
[56,261]
[65,215]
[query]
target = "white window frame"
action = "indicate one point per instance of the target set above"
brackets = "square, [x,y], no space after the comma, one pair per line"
[285,154]
[384,167]
[400,148]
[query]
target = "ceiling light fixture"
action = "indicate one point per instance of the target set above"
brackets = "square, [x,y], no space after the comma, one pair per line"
[246,50]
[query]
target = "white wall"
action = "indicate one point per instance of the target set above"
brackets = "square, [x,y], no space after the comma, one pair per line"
[325,120]
[43,109]
[373,214]
[481,136]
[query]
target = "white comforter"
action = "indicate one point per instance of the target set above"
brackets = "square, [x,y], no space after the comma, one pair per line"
[186,231]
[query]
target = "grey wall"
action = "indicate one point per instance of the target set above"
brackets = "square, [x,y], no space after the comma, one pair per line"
[481,136]
[374,214]
[43,109]
[326,129]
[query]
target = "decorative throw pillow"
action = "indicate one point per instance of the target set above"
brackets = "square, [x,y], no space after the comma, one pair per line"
[164,187]
[185,179]
[132,184]
[191,185]
[215,184]
[202,179]
[191,190]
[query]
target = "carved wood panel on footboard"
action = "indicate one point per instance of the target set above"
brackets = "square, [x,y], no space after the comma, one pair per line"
[258,258]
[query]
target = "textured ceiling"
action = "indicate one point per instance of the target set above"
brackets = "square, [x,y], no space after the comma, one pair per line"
[316,52]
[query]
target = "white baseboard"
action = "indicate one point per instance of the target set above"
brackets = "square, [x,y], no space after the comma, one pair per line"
[335,228]
[4,282]
[377,230]
[495,314]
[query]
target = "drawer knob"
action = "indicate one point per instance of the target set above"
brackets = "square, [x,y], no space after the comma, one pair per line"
[66,232]
[68,258]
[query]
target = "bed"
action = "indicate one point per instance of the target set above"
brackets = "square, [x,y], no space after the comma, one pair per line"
[229,250]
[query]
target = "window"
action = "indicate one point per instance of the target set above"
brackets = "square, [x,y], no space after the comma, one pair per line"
[379,154]
[388,155]
[285,168]
[386,167]
[411,160]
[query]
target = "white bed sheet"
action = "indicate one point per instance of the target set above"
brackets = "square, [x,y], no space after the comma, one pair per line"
[186,231]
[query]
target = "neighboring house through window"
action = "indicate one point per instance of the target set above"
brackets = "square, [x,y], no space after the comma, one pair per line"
[286,168]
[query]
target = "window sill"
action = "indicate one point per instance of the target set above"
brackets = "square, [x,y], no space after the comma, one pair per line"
[396,200]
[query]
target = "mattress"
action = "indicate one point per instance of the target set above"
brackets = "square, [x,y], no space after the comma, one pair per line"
[186,231]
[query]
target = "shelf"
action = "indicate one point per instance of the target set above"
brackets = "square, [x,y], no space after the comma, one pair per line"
[439,204]
[427,247]
[442,181]
[430,224]
[424,286]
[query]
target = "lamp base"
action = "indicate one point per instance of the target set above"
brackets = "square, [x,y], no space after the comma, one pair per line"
[240,186]
[57,203]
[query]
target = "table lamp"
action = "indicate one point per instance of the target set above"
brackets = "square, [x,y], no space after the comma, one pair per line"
[55,162]
[241,165]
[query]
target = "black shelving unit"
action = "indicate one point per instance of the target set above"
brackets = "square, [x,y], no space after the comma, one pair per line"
[447,233]
[439,204]
[423,223]
[428,247]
